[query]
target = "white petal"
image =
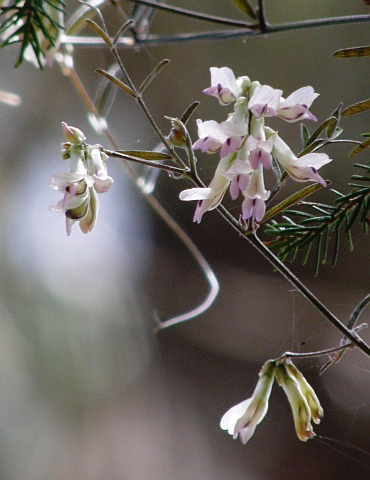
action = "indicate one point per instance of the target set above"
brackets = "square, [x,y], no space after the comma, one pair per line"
[195,194]
[228,421]
[59,181]
[316,160]
[302,96]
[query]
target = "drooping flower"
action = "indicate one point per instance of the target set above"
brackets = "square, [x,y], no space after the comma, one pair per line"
[298,399]
[211,136]
[260,152]
[225,86]
[264,101]
[98,168]
[296,106]
[239,173]
[242,419]
[87,177]
[302,169]
[79,201]
[227,136]
[317,411]
[210,197]
[255,196]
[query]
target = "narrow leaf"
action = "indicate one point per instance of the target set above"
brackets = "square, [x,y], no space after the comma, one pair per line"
[307,254]
[106,92]
[311,147]
[350,241]
[320,129]
[365,144]
[100,32]
[244,7]
[351,220]
[77,20]
[324,255]
[146,155]
[153,75]
[118,82]
[305,134]
[356,108]
[336,247]
[121,31]
[318,255]
[292,200]
[188,112]
[332,124]
[337,132]
[352,52]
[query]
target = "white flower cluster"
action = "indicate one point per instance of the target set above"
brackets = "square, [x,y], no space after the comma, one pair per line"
[243,418]
[88,176]
[247,146]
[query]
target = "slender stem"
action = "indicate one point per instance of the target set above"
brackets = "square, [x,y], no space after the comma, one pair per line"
[319,353]
[146,112]
[244,29]
[319,22]
[254,240]
[192,14]
[148,163]
[89,104]
[281,267]
[355,315]
[263,26]
[329,142]
[207,271]
[261,15]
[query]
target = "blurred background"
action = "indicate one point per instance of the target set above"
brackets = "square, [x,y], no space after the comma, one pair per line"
[89,392]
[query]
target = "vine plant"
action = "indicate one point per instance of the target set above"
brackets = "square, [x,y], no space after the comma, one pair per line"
[249,149]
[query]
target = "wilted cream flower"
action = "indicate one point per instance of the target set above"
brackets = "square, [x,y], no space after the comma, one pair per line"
[303,400]
[243,418]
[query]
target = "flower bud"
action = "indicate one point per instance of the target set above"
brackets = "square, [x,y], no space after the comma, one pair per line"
[298,402]
[178,134]
[73,134]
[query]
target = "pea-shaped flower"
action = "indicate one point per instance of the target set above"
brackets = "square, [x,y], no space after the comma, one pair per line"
[87,177]
[302,398]
[242,419]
